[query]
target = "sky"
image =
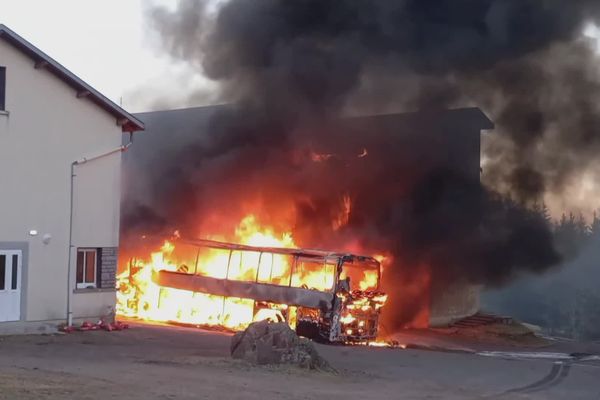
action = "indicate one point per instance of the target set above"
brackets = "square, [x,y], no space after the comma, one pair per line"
[110,45]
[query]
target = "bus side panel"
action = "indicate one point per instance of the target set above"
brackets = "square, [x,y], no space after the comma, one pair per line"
[246,290]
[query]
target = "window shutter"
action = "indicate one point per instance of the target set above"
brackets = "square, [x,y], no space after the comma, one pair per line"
[2,88]
[99,269]
[107,268]
[79,273]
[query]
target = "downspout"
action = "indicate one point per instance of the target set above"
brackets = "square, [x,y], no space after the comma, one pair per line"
[75,163]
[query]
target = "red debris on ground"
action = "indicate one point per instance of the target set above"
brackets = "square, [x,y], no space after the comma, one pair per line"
[100,325]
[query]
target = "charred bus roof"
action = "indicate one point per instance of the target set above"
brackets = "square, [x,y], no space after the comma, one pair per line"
[366,261]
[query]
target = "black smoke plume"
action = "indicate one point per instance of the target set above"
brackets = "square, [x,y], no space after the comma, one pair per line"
[286,65]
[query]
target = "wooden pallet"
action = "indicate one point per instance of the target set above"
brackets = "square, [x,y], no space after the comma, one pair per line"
[480,319]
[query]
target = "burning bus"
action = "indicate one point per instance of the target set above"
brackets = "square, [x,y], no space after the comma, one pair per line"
[327,296]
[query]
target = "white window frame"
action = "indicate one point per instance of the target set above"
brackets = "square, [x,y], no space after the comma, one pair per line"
[84,284]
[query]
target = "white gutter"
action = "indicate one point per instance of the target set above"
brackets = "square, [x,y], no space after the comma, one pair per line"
[75,163]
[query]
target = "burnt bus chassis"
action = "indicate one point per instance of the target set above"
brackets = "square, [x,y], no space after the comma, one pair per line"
[319,314]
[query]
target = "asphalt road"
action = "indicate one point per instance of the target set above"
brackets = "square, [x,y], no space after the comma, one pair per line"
[157,362]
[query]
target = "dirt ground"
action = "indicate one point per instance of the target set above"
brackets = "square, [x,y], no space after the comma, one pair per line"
[159,362]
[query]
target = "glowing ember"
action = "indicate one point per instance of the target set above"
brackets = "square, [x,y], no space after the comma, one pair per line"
[392,345]
[316,157]
[344,215]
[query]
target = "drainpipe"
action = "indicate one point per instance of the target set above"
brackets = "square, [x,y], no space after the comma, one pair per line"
[74,164]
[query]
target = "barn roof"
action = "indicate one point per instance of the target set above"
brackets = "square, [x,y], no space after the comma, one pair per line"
[188,125]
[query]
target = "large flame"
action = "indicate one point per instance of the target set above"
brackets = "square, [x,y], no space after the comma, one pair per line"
[138,296]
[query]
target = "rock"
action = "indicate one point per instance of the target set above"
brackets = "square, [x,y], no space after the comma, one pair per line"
[267,343]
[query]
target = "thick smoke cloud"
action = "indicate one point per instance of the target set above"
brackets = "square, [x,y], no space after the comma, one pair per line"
[287,65]
[521,60]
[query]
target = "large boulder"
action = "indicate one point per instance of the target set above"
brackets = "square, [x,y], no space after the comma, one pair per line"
[266,342]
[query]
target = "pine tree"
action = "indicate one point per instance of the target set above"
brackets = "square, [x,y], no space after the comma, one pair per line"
[541,214]
[566,225]
[595,226]
[582,230]
[546,214]
[566,235]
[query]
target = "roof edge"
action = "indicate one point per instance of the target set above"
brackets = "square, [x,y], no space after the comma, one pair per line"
[127,121]
[481,118]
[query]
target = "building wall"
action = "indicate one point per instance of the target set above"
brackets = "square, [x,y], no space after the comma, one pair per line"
[452,303]
[46,127]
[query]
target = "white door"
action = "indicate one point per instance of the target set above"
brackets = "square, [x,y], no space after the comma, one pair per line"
[10,285]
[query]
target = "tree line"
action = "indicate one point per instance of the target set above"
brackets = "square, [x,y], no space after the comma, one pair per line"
[564,301]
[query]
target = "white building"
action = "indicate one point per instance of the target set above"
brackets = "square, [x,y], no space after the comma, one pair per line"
[60,163]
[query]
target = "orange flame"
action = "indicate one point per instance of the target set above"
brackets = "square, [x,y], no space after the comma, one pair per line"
[317,157]
[344,215]
[138,296]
